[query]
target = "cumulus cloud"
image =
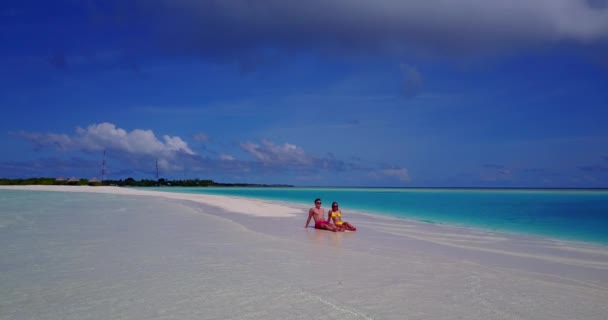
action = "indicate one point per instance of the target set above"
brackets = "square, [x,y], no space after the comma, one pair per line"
[292,157]
[141,150]
[132,145]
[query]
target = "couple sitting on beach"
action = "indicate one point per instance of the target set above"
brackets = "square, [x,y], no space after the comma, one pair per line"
[318,215]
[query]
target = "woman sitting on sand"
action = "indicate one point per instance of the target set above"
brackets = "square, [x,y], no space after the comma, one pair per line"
[318,215]
[336,215]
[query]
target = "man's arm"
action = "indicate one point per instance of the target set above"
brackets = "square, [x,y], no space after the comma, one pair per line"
[329,216]
[310,213]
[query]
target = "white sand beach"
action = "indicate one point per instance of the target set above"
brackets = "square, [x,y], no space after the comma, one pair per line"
[244,206]
[138,254]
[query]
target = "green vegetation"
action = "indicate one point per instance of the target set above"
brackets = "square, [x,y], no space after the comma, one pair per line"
[130,182]
[22,182]
[49,182]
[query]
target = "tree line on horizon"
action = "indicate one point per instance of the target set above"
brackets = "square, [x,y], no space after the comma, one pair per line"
[130,182]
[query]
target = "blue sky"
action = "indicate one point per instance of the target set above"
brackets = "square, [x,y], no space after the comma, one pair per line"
[466,93]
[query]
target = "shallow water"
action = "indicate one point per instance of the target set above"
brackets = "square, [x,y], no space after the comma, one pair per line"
[567,214]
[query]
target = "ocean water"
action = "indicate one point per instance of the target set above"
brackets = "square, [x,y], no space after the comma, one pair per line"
[580,215]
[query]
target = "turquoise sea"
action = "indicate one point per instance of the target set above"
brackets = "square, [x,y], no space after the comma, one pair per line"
[580,215]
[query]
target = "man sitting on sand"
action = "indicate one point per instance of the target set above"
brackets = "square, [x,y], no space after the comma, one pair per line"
[319,216]
[336,215]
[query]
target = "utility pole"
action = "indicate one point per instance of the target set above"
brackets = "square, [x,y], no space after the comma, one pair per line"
[157,181]
[103,167]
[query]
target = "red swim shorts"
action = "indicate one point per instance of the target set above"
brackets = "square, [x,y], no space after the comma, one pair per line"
[318,224]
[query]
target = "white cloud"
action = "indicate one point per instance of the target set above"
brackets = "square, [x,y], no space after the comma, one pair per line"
[270,153]
[176,144]
[121,143]
[141,150]
[400,173]
[226,157]
[106,135]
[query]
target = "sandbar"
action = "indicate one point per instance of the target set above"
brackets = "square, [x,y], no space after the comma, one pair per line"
[163,255]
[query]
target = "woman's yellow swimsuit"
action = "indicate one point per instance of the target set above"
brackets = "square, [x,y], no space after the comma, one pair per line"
[336,214]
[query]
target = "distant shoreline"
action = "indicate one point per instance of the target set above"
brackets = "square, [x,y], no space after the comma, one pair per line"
[130,182]
[145,183]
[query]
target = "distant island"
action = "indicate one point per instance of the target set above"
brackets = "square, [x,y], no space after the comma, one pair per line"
[130,182]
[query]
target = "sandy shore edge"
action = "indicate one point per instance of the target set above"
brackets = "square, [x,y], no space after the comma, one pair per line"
[251,207]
